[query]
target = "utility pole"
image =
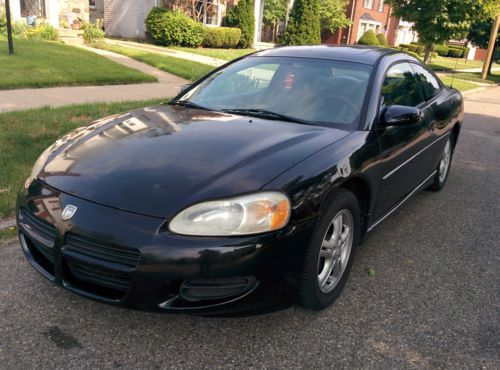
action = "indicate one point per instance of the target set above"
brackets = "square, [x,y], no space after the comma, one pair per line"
[491,47]
[9,28]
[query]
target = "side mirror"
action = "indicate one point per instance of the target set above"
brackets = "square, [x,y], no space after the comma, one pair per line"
[399,115]
[183,88]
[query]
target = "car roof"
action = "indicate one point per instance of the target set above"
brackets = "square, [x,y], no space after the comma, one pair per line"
[352,53]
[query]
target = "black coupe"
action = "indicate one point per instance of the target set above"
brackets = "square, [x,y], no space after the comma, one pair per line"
[258,179]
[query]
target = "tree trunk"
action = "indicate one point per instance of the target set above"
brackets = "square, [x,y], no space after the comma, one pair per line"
[491,60]
[427,53]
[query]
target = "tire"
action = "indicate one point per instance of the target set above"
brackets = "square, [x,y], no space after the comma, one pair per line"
[441,177]
[312,294]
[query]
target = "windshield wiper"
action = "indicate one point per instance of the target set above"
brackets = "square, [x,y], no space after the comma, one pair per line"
[188,104]
[264,113]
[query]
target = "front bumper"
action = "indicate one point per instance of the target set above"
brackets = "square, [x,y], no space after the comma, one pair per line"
[128,259]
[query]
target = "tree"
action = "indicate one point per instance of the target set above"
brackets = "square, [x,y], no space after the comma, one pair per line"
[332,14]
[438,21]
[242,16]
[479,35]
[304,26]
[274,12]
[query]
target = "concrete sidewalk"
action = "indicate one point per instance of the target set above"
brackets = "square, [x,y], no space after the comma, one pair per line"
[168,85]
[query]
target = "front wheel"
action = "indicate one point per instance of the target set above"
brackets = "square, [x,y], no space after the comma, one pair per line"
[443,169]
[331,251]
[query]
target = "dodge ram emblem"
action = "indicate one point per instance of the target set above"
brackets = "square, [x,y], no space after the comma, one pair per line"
[68,212]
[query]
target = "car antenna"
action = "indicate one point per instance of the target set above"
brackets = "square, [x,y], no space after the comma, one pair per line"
[453,74]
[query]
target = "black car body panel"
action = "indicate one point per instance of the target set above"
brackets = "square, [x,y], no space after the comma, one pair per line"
[157,160]
[128,175]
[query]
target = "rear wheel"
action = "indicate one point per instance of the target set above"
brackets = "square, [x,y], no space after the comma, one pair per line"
[331,251]
[443,168]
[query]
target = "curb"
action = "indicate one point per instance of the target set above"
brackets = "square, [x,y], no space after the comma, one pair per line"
[481,88]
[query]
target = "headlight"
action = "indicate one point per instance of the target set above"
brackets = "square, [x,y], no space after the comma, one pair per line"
[244,215]
[38,166]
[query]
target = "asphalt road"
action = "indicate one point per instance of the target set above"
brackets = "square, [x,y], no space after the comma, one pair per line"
[434,300]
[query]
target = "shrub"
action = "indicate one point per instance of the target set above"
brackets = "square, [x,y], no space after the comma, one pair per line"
[3,22]
[221,37]
[43,31]
[442,50]
[174,28]
[20,28]
[92,34]
[304,26]
[381,39]
[368,38]
[242,16]
[455,52]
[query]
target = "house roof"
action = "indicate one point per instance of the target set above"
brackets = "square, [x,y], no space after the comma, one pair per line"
[367,17]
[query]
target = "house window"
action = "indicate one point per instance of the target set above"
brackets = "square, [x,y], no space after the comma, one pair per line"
[381,6]
[365,26]
[207,11]
[32,8]
[368,4]
[92,4]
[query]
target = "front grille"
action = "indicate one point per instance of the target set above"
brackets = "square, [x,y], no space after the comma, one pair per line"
[99,268]
[38,229]
[39,239]
[99,277]
[123,258]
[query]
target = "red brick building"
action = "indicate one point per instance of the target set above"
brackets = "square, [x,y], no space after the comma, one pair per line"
[365,15]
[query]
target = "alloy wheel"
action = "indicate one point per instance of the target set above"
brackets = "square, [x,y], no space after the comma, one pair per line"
[335,250]
[444,165]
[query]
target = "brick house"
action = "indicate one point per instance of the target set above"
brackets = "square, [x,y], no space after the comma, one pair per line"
[365,15]
[54,11]
[125,18]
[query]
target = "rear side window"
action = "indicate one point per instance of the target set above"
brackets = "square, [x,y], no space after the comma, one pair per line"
[400,87]
[428,84]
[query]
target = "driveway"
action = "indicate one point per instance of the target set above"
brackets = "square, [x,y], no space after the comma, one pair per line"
[434,300]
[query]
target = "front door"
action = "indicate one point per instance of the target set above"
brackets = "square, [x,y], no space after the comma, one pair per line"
[405,162]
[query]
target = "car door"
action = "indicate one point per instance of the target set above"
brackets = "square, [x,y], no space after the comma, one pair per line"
[437,110]
[404,159]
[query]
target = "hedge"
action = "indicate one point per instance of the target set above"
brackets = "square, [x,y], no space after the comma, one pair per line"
[414,48]
[382,40]
[222,37]
[368,38]
[174,28]
[456,52]
[442,50]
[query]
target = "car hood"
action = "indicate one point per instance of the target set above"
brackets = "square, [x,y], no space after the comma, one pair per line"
[158,160]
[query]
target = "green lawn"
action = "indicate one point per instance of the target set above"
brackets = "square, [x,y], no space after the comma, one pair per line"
[224,54]
[443,64]
[179,67]
[38,63]
[494,78]
[25,134]
[458,84]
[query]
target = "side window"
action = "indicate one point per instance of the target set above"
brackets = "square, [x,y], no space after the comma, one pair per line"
[428,83]
[400,87]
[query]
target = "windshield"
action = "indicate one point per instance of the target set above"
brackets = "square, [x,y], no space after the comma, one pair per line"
[315,91]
